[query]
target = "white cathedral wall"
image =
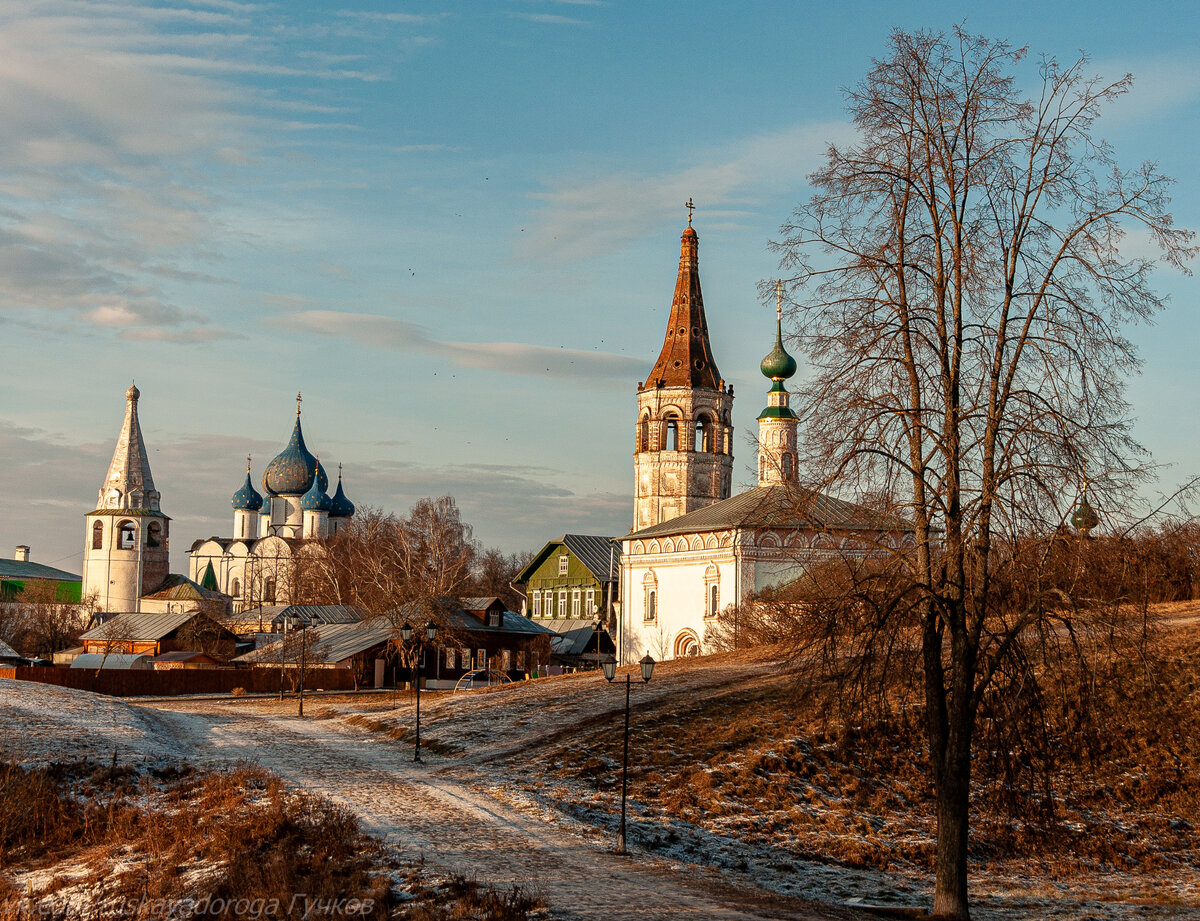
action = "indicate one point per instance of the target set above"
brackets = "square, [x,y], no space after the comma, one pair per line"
[681,581]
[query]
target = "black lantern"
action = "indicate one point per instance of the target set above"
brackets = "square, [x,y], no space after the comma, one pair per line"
[406,631]
[647,665]
[431,631]
[610,667]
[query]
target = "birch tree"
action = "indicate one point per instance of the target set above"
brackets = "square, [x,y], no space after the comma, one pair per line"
[961,285]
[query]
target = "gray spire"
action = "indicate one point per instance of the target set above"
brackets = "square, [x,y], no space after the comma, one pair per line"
[129,484]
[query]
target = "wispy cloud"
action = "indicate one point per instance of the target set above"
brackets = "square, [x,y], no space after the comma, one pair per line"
[550,19]
[580,216]
[374,331]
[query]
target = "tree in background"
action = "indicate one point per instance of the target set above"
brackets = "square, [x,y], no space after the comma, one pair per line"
[961,296]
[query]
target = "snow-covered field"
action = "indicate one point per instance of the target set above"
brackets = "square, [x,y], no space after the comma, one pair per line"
[487,803]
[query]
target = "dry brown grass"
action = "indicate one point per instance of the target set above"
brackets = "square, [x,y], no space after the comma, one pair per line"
[463,899]
[238,836]
[761,763]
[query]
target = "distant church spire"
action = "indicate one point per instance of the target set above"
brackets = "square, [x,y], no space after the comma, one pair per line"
[129,484]
[777,423]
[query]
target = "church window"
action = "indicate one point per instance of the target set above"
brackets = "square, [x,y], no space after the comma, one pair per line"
[98,535]
[643,434]
[713,599]
[236,589]
[576,597]
[673,434]
[651,604]
[563,562]
[269,591]
[154,534]
[127,538]
[787,466]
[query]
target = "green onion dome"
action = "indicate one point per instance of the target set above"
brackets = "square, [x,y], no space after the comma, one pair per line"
[316,499]
[340,507]
[293,471]
[247,499]
[778,365]
[1084,517]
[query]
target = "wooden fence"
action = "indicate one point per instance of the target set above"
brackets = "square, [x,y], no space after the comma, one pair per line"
[176,681]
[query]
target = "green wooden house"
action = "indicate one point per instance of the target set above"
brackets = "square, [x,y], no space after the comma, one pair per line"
[571,578]
[16,574]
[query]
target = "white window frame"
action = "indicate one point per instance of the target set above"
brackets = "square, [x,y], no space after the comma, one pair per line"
[576,601]
[564,563]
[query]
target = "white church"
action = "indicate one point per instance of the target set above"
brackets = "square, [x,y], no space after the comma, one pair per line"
[694,550]
[258,564]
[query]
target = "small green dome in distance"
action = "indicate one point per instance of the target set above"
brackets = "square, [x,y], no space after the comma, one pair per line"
[1084,518]
[778,365]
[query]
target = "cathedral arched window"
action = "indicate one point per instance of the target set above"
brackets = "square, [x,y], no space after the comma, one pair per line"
[154,535]
[127,536]
[787,466]
[98,535]
[643,434]
[269,591]
[706,440]
[714,599]
[236,589]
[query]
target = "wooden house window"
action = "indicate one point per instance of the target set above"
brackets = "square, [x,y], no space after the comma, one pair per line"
[481,658]
[563,561]
[576,600]
[537,604]
[591,601]
[494,618]
[562,603]
[521,659]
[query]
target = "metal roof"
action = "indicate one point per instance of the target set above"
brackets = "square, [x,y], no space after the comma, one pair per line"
[591,550]
[180,588]
[329,644]
[120,660]
[573,635]
[778,506]
[22,569]
[140,627]
[7,652]
[321,613]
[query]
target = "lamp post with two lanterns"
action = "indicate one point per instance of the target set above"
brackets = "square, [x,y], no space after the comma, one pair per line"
[406,634]
[610,671]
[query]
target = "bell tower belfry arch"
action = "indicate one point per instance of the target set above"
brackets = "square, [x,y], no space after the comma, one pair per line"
[683,439]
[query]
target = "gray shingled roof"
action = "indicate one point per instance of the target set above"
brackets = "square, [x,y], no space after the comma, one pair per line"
[140,627]
[779,506]
[7,652]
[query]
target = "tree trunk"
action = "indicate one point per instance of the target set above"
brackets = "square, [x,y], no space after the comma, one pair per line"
[953,793]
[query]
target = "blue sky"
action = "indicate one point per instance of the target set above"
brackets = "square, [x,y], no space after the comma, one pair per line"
[454,227]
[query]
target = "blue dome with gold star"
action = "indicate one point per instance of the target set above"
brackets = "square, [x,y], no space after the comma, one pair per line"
[316,499]
[247,499]
[292,472]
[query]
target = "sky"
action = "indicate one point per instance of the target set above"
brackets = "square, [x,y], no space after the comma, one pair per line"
[455,228]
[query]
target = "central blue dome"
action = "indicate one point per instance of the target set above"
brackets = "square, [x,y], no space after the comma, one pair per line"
[293,471]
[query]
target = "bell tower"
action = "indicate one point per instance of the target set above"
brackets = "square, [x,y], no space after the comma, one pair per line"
[125,551]
[683,441]
[777,422]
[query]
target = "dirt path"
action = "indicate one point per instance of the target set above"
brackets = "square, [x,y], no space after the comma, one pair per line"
[433,811]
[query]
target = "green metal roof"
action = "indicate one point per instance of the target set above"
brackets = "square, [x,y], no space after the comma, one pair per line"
[19,569]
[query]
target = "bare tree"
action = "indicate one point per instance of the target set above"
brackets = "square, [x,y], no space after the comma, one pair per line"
[962,293]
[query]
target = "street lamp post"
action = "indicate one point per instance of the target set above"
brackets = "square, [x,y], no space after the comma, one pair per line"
[292,623]
[610,670]
[406,633]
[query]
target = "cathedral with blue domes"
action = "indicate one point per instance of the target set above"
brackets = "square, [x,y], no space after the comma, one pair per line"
[272,530]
